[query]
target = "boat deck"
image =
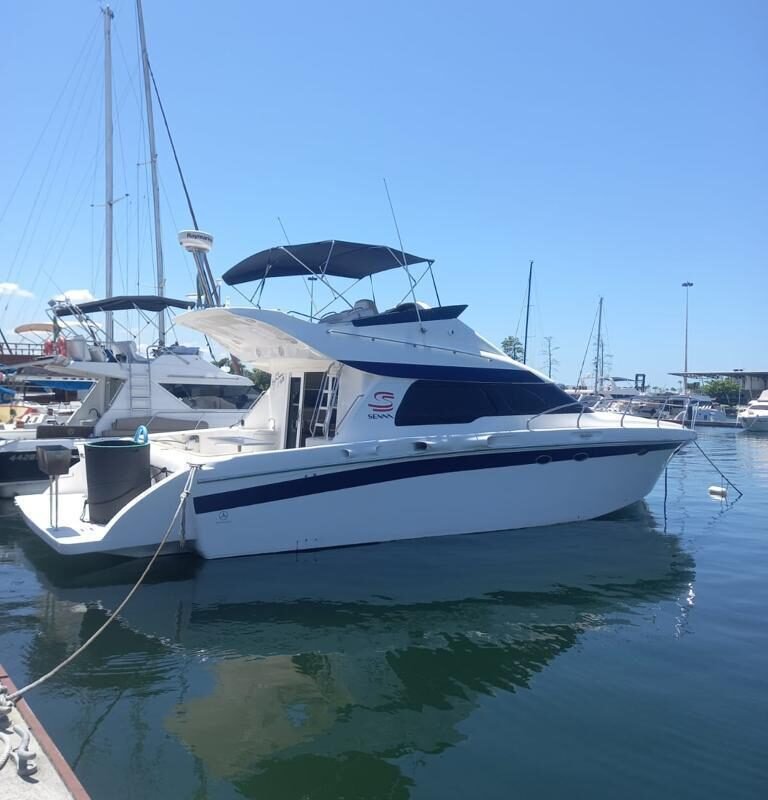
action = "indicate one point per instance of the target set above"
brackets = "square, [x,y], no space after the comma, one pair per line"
[65,538]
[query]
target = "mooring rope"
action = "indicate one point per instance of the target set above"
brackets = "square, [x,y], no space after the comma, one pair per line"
[5,739]
[182,503]
[718,470]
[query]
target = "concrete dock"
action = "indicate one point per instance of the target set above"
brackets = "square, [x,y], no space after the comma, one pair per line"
[53,779]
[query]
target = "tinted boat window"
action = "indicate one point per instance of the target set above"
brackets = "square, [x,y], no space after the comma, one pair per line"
[207,396]
[453,402]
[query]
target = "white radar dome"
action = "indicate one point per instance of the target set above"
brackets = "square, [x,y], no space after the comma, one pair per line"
[196,240]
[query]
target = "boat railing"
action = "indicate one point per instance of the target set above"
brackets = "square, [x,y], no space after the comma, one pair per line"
[489,357]
[659,410]
[555,409]
[21,349]
[169,413]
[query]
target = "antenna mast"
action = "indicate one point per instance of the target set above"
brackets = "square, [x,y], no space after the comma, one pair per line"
[153,167]
[527,314]
[108,171]
[405,260]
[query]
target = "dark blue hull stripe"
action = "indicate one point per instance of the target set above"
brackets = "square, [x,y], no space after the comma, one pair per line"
[414,468]
[437,373]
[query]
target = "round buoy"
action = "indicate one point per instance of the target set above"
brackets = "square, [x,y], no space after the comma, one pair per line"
[717,491]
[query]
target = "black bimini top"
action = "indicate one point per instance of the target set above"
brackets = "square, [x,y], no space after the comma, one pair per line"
[333,258]
[142,302]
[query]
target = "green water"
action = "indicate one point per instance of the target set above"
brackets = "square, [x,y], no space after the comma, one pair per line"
[626,657]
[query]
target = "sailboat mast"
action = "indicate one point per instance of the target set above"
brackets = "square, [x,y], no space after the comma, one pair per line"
[598,353]
[153,169]
[527,314]
[108,170]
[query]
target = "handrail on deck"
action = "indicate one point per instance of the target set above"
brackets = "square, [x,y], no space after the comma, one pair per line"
[557,408]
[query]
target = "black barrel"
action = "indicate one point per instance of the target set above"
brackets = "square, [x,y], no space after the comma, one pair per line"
[116,470]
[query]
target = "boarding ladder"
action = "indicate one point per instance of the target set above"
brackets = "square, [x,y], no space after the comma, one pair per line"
[140,386]
[323,416]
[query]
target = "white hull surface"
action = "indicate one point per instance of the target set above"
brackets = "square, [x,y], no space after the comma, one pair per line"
[755,416]
[471,500]
[754,422]
[315,498]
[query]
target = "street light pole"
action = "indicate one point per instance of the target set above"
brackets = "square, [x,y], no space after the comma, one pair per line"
[687,285]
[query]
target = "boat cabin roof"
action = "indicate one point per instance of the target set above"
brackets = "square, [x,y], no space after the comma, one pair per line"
[275,341]
[331,258]
[34,327]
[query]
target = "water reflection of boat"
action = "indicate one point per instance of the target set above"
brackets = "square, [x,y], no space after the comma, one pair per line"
[365,653]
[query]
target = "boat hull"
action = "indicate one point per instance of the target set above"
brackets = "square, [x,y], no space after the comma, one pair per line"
[754,422]
[346,508]
[19,472]
[366,492]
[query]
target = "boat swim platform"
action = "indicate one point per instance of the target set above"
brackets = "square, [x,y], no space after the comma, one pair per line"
[53,779]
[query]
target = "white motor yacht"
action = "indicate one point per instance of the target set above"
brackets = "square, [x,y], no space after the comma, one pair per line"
[755,416]
[378,426]
[172,388]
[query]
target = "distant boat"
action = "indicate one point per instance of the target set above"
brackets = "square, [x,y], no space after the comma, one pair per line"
[755,416]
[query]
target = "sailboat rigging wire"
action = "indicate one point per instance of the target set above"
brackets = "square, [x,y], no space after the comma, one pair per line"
[65,131]
[586,351]
[89,40]
[527,313]
[173,148]
[519,318]
[169,209]
[207,268]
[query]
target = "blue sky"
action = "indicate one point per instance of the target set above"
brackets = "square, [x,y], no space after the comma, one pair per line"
[621,146]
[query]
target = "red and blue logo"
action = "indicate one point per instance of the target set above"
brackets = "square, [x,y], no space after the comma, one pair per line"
[383,402]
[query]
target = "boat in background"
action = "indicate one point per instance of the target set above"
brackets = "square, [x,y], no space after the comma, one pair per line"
[755,416]
[169,388]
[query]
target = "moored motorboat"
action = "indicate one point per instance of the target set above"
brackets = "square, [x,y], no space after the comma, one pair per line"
[377,426]
[755,416]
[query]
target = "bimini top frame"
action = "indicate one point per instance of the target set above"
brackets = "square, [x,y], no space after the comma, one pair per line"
[321,260]
[138,302]
[143,304]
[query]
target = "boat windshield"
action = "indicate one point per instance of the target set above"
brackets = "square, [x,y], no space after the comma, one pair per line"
[213,396]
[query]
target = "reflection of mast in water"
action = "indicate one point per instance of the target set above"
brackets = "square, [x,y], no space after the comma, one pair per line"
[360,653]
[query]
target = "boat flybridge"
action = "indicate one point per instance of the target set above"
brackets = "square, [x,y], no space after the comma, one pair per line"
[378,425]
[166,388]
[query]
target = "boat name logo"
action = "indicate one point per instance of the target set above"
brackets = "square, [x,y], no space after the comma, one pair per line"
[383,402]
